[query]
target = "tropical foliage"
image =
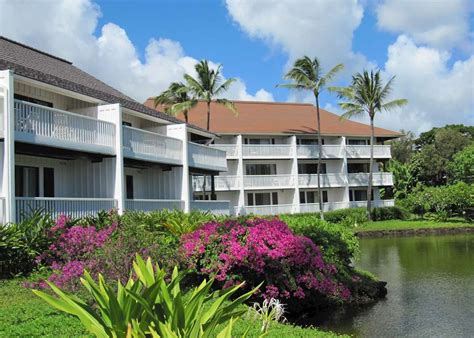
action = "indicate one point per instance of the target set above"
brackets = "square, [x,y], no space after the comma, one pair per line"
[306,74]
[176,99]
[149,305]
[367,94]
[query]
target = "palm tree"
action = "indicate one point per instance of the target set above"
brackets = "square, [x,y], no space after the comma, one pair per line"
[367,94]
[176,99]
[306,74]
[208,85]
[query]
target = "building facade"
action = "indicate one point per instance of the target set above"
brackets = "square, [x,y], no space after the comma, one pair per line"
[272,153]
[70,143]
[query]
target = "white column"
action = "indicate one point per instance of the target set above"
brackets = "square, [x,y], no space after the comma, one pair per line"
[113,113]
[180,131]
[345,172]
[240,174]
[8,169]
[294,173]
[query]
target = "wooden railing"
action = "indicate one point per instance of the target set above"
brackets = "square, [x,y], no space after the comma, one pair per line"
[230,149]
[221,183]
[312,151]
[215,207]
[267,151]
[55,206]
[362,179]
[205,157]
[327,180]
[60,127]
[143,144]
[268,181]
[153,204]
[363,151]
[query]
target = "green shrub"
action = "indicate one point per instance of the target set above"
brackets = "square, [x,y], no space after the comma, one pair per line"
[442,202]
[22,242]
[338,244]
[151,306]
[387,213]
[348,217]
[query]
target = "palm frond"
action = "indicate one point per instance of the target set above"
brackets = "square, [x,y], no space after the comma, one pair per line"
[177,108]
[329,75]
[229,105]
[351,109]
[225,86]
[394,104]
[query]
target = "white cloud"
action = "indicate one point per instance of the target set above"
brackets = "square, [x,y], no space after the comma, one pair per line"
[437,94]
[66,28]
[440,23]
[308,27]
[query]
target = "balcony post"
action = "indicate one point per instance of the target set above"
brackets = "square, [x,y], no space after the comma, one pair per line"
[294,176]
[113,113]
[240,175]
[8,170]
[180,131]
[345,173]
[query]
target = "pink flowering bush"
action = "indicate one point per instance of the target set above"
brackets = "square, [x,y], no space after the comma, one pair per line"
[72,250]
[291,267]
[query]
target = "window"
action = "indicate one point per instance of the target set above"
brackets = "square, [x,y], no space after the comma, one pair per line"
[312,196]
[310,168]
[357,142]
[32,100]
[308,141]
[127,124]
[260,169]
[129,186]
[359,195]
[357,168]
[262,198]
[48,182]
[26,181]
[259,141]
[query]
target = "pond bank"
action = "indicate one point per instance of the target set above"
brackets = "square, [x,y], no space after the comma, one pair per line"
[415,231]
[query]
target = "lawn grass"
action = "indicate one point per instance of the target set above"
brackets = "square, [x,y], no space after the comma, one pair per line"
[24,314]
[411,224]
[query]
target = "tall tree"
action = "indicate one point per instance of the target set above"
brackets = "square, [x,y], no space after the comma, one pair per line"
[176,99]
[306,75]
[208,85]
[403,147]
[367,95]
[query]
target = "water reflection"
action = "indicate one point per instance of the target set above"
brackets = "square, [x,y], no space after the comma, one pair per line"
[430,288]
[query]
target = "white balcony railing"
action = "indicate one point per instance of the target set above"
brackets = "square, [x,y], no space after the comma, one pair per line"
[2,211]
[215,207]
[267,151]
[268,181]
[264,210]
[232,151]
[55,206]
[146,145]
[312,151]
[221,183]
[204,157]
[362,179]
[39,124]
[153,204]
[361,151]
[327,180]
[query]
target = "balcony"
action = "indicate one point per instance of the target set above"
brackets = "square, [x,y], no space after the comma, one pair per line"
[267,151]
[55,206]
[362,179]
[361,151]
[148,146]
[148,205]
[268,181]
[327,180]
[204,157]
[221,183]
[312,151]
[232,151]
[57,128]
[215,207]
[265,210]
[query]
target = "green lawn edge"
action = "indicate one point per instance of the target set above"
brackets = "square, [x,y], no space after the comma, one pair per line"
[411,225]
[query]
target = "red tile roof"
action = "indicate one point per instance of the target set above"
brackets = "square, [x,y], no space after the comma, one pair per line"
[276,118]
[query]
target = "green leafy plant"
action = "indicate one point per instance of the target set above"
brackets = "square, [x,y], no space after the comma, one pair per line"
[270,311]
[151,306]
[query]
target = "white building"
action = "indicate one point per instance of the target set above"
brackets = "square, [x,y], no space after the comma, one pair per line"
[72,144]
[272,152]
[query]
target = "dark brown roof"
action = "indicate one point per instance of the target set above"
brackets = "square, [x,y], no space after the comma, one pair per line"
[277,118]
[37,65]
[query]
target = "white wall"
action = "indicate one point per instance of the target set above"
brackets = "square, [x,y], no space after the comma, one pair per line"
[155,183]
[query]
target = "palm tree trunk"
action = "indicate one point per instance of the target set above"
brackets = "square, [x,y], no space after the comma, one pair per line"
[320,147]
[208,115]
[185,113]
[369,185]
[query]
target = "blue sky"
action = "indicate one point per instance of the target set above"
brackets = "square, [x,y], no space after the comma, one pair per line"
[141,46]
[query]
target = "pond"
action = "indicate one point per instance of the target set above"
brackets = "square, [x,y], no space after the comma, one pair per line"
[430,288]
